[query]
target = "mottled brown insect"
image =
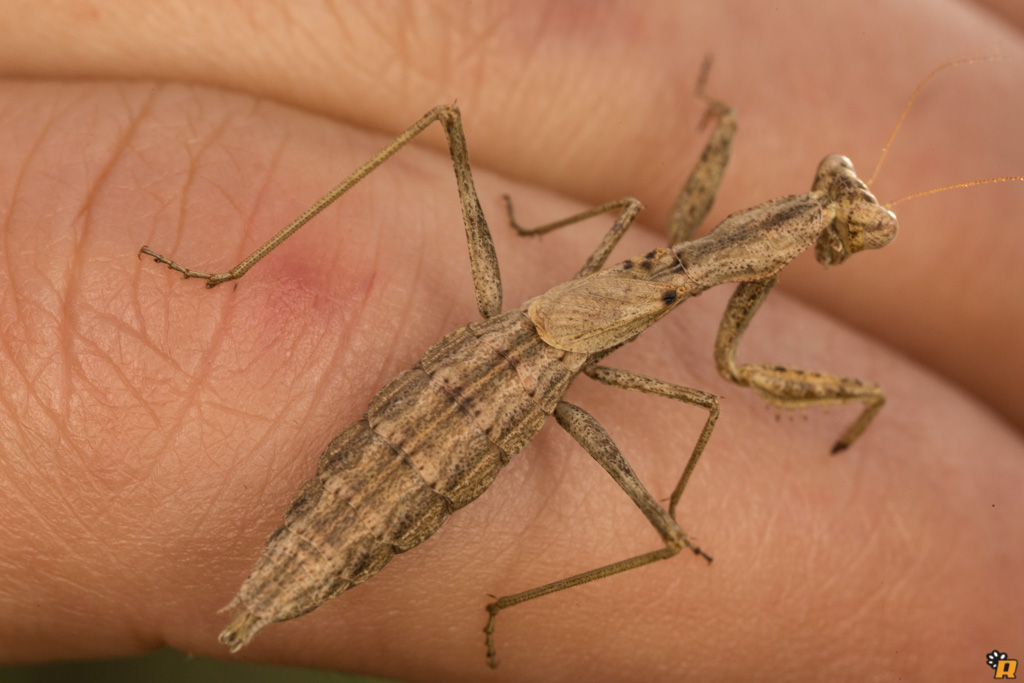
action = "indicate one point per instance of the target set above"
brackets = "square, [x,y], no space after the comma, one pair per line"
[435,436]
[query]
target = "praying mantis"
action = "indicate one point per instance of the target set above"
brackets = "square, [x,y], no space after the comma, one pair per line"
[434,437]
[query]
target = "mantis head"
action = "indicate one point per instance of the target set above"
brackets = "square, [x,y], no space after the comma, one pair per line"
[860,221]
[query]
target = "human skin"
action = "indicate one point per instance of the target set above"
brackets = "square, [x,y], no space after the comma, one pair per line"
[153,432]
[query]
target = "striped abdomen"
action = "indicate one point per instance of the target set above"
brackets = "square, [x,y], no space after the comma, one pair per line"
[432,440]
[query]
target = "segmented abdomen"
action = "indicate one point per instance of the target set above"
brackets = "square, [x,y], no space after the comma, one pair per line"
[432,440]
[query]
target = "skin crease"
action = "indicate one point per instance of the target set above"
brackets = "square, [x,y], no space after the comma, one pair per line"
[153,432]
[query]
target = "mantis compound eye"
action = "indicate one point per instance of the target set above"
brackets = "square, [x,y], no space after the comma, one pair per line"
[882,230]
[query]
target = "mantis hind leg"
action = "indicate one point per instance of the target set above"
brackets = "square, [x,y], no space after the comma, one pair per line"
[596,441]
[482,257]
